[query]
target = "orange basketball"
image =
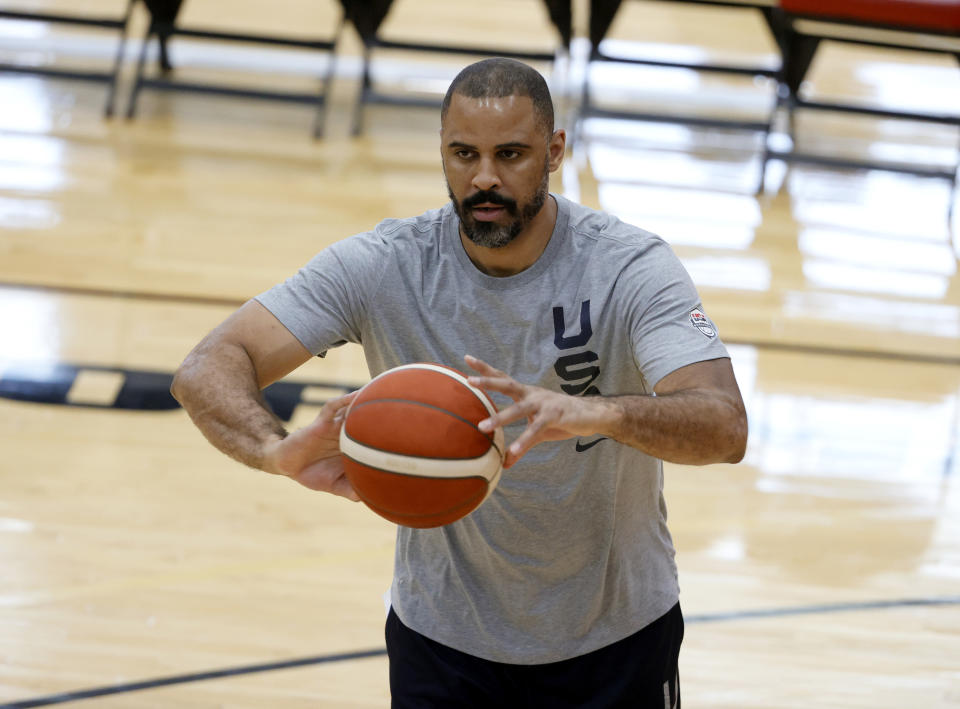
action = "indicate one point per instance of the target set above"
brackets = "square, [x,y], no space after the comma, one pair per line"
[412,449]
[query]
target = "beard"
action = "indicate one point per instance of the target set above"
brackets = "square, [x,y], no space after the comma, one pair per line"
[491,235]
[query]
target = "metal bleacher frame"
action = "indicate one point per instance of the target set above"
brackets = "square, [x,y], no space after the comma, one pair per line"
[800,46]
[110,78]
[164,31]
[588,109]
[368,94]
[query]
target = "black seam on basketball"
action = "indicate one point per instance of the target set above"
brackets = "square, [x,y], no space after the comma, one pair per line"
[470,423]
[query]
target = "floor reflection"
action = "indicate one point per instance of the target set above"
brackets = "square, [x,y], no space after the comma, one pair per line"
[31,327]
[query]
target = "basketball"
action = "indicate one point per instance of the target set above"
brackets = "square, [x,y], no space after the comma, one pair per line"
[412,449]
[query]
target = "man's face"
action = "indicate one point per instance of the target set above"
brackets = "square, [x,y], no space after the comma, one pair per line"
[496,161]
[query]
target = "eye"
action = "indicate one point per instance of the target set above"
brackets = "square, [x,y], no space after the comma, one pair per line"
[463,153]
[509,154]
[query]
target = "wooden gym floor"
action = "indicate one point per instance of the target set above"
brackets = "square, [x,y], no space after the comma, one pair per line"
[141,568]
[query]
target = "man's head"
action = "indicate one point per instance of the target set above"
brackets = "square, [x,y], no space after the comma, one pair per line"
[498,148]
[499,78]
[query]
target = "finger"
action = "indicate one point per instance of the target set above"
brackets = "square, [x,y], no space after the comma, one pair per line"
[337,408]
[514,412]
[332,415]
[493,379]
[537,431]
[322,474]
[502,384]
[480,365]
[343,488]
[515,452]
[525,441]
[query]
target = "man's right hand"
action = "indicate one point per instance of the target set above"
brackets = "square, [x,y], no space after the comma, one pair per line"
[311,455]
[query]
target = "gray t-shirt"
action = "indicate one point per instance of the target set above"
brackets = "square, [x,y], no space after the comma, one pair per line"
[571,552]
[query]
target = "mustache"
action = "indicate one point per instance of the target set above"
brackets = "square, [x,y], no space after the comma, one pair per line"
[489,197]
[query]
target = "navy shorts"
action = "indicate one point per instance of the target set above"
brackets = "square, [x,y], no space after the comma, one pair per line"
[639,671]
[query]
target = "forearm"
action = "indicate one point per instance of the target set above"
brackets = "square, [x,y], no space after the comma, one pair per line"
[217,385]
[692,427]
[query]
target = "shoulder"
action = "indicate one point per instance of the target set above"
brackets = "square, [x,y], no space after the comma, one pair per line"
[410,228]
[389,240]
[636,264]
[597,225]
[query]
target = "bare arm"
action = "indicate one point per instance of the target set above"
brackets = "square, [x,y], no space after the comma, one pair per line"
[220,382]
[697,416]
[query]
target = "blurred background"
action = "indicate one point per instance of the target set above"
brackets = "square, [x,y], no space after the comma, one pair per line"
[161,163]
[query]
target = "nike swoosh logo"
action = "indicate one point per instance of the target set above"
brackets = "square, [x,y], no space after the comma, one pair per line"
[581,447]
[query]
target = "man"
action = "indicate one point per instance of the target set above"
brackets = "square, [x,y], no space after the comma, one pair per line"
[561,590]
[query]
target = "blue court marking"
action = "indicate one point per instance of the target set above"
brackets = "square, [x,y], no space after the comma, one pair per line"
[365,654]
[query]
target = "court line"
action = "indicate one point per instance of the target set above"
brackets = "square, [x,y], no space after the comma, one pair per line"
[184,679]
[821,609]
[366,654]
[237,302]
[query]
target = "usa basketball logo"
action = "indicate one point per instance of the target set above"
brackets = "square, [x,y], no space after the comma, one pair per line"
[702,323]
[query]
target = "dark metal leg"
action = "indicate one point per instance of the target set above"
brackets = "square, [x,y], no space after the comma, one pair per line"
[583,110]
[138,80]
[765,156]
[165,66]
[953,196]
[798,52]
[953,193]
[118,63]
[324,98]
[953,181]
[357,128]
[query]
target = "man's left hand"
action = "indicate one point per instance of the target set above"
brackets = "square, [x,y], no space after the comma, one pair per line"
[550,415]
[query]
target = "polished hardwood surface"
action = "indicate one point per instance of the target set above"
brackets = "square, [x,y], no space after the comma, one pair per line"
[823,571]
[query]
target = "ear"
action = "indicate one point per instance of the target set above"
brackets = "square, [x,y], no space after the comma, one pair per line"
[556,148]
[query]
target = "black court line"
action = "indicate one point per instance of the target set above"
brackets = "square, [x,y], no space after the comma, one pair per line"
[822,609]
[917,357]
[365,654]
[184,679]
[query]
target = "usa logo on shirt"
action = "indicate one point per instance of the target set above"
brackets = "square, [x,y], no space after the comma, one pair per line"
[700,321]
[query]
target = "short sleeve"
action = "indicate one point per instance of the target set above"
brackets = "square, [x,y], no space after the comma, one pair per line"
[668,325]
[324,304]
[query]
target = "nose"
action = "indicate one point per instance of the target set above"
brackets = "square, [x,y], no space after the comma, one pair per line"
[486,177]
